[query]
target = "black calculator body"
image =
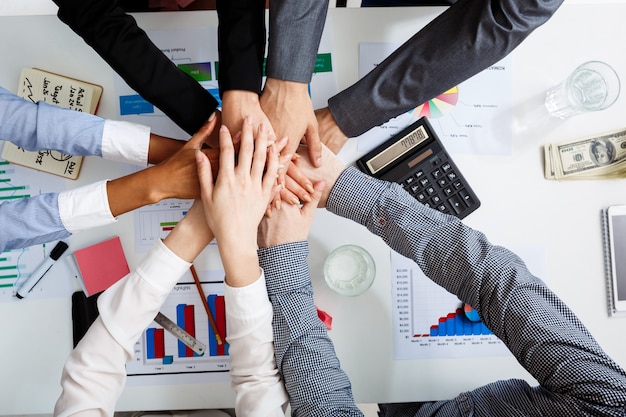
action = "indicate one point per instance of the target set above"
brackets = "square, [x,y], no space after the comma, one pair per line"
[417,159]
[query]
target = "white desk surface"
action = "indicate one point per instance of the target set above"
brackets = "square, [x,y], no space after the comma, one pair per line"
[518,207]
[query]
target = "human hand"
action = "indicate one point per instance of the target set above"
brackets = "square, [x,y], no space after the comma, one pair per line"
[330,133]
[237,105]
[291,223]
[289,108]
[176,177]
[327,173]
[234,206]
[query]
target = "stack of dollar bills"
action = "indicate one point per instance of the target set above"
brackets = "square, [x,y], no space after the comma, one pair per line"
[599,157]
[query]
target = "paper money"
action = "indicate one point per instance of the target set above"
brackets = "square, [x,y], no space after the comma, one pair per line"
[596,157]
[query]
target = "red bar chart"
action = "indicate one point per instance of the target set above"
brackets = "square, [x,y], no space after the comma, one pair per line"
[159,352]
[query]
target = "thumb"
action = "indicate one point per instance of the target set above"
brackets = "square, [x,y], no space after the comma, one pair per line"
[314,146]
[308,209]
[205,176]
[202,135]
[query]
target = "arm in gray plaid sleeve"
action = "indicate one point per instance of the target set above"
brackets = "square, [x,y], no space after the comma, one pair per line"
[576,375]
[305,355]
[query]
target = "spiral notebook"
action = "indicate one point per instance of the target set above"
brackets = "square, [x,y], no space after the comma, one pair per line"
[613,234]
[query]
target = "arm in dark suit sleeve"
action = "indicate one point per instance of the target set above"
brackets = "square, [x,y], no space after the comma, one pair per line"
[296,28]
[117,38]
[465,39]
[241,43]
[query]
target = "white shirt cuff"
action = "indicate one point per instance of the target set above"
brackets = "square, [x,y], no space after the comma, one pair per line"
[85,207]
[245,306]
[125,142]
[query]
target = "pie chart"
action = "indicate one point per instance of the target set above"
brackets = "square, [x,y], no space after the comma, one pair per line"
[439,105]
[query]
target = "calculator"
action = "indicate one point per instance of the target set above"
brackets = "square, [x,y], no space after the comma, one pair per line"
[417,159]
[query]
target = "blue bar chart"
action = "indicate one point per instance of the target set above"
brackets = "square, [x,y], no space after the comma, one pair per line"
[158,352]
[429,322]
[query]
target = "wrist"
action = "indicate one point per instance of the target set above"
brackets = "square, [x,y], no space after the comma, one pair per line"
[241,97]
[275,84]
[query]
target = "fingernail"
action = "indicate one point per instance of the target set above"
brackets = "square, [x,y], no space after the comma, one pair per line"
[212,116]
[294,200]
[318,161]
[277,204]
[248,120]
[306,198]
[223,128]
[309,187]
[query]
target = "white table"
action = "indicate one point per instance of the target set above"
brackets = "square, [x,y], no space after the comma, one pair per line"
[518,207]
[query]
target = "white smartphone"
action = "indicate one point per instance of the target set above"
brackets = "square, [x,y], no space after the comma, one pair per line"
[616,235]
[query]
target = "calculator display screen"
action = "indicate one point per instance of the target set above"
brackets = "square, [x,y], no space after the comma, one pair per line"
[398,149]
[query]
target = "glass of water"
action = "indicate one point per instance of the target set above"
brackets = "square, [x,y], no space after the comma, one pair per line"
[592,86]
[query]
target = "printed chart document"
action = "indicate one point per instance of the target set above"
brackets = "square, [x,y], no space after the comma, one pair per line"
[194,51]
[474,117]
[18,182]
[160,358]
[428,321]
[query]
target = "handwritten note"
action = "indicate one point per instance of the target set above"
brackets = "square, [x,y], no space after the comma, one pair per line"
[38,85]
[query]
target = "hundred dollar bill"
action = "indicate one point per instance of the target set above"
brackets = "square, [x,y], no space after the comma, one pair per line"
[601,156]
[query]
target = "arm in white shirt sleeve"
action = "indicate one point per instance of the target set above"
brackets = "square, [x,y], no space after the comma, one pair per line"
[95,373]
[85,207]
[36,126]
[125,142]
[259,389]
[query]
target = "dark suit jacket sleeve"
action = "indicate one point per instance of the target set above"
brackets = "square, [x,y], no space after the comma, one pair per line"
[295,31]
[241,43]
[465,39]
[115,36]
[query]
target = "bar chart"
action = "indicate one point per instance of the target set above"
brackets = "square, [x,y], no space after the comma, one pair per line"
[155,221]
[429,322]
[158,352]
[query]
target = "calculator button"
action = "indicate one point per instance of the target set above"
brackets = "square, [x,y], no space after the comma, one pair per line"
[446,167]
[414,188]
[424,181]
[448,191]
[419,174]
[437,173]
[436,161]
[409,180]
[442,208]
[457,184]
[442,182]
[430,190]
[452,176]
[456,203]
[436,200]
[421,197]
[467,198]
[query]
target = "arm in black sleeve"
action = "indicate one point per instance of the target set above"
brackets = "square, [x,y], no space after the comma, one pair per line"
[241,44]
[117,38]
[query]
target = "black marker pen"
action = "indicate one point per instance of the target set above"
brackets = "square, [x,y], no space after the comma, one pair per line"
[39,272]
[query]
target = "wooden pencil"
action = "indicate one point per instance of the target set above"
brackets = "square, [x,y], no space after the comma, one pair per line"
[206,305]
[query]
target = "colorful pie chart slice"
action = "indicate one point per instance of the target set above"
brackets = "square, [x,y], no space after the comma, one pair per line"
[439,105]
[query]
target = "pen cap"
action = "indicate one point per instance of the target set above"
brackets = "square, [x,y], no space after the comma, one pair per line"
[58,250]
